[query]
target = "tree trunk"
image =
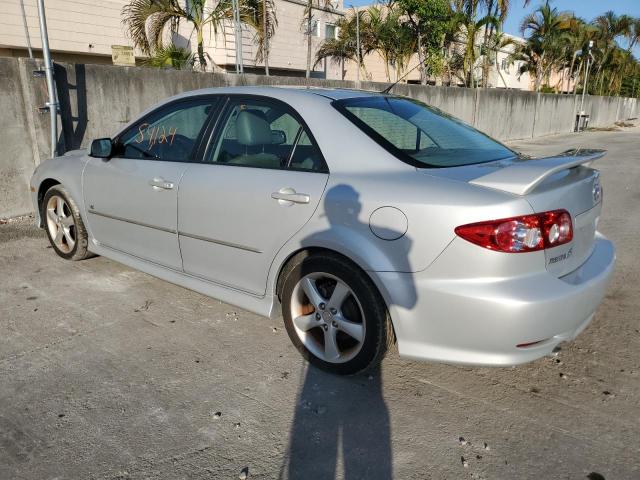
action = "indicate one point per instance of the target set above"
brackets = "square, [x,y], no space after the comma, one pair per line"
[539,73]
[485,43]
[573,61]
[500,72]
[309,34]
[200,39]
[423,75]
[265,40]
[386,69]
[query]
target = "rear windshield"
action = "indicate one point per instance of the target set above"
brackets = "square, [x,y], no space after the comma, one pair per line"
[420,135]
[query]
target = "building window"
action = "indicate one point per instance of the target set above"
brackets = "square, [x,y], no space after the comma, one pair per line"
[505,65]
[330,31]
[313,27]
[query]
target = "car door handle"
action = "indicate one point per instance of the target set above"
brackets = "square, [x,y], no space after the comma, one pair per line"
[161,184]
[287,196]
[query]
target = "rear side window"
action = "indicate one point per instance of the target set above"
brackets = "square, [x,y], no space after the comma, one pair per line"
[264,135]
[169,133]
[420,135]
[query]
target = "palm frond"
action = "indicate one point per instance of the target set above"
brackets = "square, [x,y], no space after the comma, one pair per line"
[145,21]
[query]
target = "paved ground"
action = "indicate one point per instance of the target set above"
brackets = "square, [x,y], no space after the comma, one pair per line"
[109,373]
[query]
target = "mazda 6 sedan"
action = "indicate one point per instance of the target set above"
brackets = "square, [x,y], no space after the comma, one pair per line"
[365,218]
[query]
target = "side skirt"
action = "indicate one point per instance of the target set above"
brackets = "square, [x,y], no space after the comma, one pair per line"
[264,306]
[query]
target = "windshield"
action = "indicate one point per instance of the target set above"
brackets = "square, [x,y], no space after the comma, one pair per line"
[420,135]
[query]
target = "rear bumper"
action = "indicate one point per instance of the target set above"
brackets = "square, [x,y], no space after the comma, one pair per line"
[480,321]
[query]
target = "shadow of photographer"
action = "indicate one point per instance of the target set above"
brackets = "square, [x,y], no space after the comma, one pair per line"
[342,422]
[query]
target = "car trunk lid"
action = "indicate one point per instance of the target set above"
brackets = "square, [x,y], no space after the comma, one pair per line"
[552,183]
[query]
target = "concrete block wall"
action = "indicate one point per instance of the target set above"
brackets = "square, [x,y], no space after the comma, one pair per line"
[98,100]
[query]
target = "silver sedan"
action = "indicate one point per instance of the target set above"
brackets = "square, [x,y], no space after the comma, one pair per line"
[368,219]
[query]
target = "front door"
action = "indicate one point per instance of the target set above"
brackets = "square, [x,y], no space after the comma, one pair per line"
[131,198]
[259,183]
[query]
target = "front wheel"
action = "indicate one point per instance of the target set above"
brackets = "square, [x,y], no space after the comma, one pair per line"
[63,224]
[334,315]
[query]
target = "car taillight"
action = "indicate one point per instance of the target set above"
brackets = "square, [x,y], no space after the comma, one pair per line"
[527,233]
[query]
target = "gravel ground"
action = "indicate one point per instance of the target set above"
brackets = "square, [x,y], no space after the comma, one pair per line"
[109,373]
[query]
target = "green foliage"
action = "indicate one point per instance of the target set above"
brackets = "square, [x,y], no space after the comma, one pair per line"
[428,18]
[559,42]
[148,21]
[171,57]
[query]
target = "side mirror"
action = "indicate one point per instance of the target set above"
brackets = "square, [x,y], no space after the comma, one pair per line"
[101,148]
[278,137]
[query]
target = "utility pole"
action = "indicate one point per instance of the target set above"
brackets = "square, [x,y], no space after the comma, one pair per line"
[266,38]
[238,32]
[586,78]
[48,70]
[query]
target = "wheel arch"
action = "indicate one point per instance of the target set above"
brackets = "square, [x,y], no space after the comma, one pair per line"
[44,186]
[304,252]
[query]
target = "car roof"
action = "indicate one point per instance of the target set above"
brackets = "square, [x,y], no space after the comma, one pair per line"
[283,92]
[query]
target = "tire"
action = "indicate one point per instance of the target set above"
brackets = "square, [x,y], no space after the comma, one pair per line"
[63,224]
[334,314]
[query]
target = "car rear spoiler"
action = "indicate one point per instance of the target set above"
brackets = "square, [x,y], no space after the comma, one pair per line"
[522,177]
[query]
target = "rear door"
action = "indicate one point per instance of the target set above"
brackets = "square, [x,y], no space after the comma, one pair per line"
[261,180]
[131,198]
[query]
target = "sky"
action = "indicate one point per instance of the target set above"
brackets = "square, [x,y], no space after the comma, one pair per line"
[587,9]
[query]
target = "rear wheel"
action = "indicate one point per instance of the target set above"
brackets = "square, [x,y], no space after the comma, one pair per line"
[64,225]
[334,314]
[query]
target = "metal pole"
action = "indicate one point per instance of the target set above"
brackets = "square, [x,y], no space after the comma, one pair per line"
[584,88]
[358,45]
[586,78]
[238,36]
[234,6]
[266,37]
[26,29]
[48,69]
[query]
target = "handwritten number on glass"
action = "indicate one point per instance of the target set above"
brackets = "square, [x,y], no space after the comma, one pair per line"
[155,135]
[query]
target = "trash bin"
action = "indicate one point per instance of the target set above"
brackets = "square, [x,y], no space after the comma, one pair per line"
[582,122]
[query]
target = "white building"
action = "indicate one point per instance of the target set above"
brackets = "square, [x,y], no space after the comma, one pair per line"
[83,31]
[505,74]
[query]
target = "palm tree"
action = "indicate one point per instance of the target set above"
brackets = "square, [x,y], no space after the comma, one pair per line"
[464,29]
[548,35]
[496,43]
[579,34]
[390,37]
[339,49]
[146,21]
[498,10]
[261,16]
[633,33]
[610,26]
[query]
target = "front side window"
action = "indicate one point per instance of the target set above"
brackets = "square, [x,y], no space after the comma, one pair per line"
[420,135]
[169,134]
[265,135]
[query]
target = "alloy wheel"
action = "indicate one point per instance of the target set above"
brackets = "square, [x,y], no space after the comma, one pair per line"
[328,317]
[60,223]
